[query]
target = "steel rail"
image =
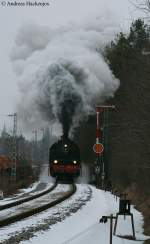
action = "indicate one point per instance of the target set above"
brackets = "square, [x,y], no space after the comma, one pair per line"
[27,199]
[21,216]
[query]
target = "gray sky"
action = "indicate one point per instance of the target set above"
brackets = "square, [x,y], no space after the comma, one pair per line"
[58,13]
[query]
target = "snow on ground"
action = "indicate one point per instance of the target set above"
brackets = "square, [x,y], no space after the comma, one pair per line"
[45,219]
[35,203]
[83,227]
[44,183]
[20,194]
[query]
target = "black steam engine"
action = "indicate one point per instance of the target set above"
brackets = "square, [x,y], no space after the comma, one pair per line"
[64,159]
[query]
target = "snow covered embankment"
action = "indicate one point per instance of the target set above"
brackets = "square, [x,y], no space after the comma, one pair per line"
[84,227]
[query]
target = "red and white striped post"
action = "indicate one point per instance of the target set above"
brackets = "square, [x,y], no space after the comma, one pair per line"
[100,109]
[99,147]
[98,132]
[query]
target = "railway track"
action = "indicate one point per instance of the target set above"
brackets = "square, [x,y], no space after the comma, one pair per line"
[37,205]
[27,199]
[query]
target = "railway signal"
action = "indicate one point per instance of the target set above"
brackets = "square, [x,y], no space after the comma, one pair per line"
[97,169]
[99,110]
[98,148]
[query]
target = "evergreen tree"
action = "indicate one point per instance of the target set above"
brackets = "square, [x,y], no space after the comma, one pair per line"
[139,35]
[128,52]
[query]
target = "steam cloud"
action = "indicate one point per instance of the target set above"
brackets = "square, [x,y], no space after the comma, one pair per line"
[62,72]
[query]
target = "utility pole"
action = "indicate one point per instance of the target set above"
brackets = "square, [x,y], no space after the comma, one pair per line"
[14,146]
[35,136]
[42,129]
[42,150]
[35,145]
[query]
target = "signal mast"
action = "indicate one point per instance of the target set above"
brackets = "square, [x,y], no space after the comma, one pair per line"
[99,147]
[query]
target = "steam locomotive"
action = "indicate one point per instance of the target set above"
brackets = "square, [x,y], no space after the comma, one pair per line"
[64,159]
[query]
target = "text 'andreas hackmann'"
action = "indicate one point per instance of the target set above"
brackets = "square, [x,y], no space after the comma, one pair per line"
[28,4]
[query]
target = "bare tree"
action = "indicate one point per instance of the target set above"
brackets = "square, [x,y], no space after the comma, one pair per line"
[143,5]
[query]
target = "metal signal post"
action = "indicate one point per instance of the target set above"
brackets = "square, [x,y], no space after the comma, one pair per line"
[100,147]
[104,220]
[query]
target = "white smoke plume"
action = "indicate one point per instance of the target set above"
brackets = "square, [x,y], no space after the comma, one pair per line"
[62,72]
[44,175]
[84,177]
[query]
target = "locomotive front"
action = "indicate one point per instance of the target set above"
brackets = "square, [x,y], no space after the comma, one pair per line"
[64,159]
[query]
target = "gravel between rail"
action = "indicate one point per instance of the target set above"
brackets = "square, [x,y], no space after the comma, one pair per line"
[28,210]
[41,223]
[27,199]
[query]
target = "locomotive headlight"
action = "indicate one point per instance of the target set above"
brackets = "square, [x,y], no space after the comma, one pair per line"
[55,161]
[75,162]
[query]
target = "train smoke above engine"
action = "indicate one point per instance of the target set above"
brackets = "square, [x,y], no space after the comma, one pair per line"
[61,82]
[62,73]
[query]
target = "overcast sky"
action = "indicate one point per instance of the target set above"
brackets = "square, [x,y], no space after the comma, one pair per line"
[58,13]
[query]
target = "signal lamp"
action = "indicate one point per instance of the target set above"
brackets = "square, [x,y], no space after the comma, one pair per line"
[74,161]
[65,145]
[55,161]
